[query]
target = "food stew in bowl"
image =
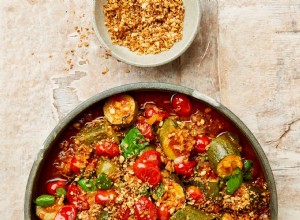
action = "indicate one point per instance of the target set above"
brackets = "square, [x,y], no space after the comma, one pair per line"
[152,155]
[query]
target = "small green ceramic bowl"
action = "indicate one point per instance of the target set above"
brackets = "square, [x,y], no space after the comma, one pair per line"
[37,167]
[191,25]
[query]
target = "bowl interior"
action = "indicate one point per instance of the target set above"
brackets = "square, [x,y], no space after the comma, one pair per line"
[190,29]
[31,189]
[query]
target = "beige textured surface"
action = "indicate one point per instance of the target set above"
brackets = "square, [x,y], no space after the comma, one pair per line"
[247,56]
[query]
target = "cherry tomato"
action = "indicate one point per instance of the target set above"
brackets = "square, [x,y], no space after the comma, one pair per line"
[124,214]
[195,193]
[74,166]
[67,212]
[150,112]
[145,210]
[181,105]
[163,213]
[151,156]
[105,196]
[185,168]
[146,130]
[77,197]
[147,172]
[53,185]
[201,142]
[107,148]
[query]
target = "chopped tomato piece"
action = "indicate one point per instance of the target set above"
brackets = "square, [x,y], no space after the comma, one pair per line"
[124,214]
[77,197]
[185,168]
[181,104]
[145,210]
[67,212]
[201,142]
[195,194]
[107,148]
[146,130]
[163,213]
[53,185]
[156,113]
[151,156]
[147,172]
[74,166]
[105,196]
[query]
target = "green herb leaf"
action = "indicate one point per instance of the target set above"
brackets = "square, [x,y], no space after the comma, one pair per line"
[234,182]
[133,143]
[87,185]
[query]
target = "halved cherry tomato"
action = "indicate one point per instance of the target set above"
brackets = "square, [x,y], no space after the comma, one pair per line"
[161,114]
[201,142]
[146,130]
[77,197]
[147,172]
[151,156]
[105,196]
[67,212]
[185,168]
[124,214]
[181,104]
[163,213]
[53,185]
[74,167]
[107,148]
[195,193]
[145,210]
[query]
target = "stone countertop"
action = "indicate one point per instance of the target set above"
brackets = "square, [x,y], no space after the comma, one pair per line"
[247,56]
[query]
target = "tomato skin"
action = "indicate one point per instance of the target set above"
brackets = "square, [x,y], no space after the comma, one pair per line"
[163,213]
[182,105]
[185,168]
[53,185]
[201,142]
[151,156]
[195,193]
[67,212]
[76,197]
[75,168]
[145,210]
[107,148]
[105,196]
[124,214]
[147,172]
[160,113]
[146,130]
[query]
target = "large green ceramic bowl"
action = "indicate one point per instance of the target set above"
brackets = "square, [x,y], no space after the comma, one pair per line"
[59,129]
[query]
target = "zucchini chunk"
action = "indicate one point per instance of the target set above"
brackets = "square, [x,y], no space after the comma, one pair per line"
[192,213]
[224,156]
[168,127]
[227,216]
[120,109]
[95,131]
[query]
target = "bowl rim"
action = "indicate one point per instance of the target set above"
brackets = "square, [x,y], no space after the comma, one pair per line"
[139,64]
[60,127]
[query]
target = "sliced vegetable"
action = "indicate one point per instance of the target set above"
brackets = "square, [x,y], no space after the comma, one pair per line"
[163,213]
[87,185]
[103,181]
[224,156]
[195,194]
[77,197]
[248,169]
[133,143]
[151,156]
[107,148]
[96,131]
[120,109]
[159,191]
[146,130]
[105,196]
[181,104]
[210,188]
[147,172]
[44,200]
[61,192]
[107,167]
[185,168]
[49,212]
[192,213]
[234,181]
[168,127]
[226,216]
[67,212]
[103,215]
[74,165]
[144,209]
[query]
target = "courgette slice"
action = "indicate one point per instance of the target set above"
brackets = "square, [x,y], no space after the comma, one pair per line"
[168,127]
[95,131]
[192,213]
[226,216]
[223,155]
[120,109]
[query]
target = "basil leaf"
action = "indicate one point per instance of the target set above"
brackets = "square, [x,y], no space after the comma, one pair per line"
[234,182]
[133,143]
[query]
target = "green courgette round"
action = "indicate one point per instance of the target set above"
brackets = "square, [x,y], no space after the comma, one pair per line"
[223,155]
